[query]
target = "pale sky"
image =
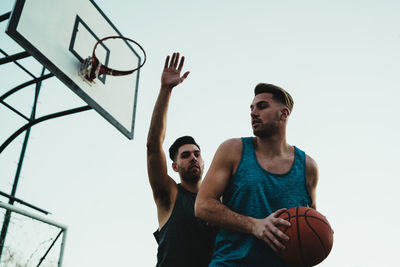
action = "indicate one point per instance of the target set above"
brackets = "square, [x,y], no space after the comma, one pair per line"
[340,61]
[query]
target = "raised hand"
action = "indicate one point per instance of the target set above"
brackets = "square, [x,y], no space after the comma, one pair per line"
[171,75]
[267,229]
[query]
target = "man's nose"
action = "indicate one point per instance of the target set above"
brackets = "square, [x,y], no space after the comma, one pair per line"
[193,158]
[254,113]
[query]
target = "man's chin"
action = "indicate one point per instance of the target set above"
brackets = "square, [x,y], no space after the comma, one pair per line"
[193,179]
[265,134]
[258,133]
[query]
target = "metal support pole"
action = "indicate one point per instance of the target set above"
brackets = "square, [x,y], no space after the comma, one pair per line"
[7,216]
[5,16]
[24,203]
[25,84]
[19,65]
[44,118]
[27,127]
[14,57]
[31,122]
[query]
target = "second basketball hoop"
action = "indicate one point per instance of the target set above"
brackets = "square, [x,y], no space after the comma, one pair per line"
[91,68]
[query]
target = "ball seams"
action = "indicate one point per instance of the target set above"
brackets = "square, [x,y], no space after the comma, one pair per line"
[315,233]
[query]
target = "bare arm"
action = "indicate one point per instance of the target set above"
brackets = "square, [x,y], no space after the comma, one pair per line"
[312,179]
[208,207]
[161,183]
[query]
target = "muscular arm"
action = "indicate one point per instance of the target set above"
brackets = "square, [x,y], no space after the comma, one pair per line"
[208,207]
[312,179]
[207,204]
[160,181]
[163,186]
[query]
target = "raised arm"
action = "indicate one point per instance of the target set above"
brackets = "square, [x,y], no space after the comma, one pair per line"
[209,208]
[161,183]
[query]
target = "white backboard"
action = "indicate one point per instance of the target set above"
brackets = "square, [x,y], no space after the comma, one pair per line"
[60,34]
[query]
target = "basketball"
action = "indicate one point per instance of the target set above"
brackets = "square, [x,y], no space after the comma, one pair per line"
[311,237]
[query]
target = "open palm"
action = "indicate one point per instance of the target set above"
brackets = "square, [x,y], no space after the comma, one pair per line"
[171,75]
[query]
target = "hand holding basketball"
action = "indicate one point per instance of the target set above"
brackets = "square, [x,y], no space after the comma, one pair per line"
[171,75]
[311,237]
[268,229]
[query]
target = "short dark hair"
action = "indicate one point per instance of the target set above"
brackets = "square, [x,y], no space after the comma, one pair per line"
[184,140]
[279,94]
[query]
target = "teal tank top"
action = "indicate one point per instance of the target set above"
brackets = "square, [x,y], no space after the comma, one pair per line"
[255,192]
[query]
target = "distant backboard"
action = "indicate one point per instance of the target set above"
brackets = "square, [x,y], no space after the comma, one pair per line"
[61,34]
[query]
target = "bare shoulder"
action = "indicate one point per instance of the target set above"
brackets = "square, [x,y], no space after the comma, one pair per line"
[311,163]
[232,145]
[231,149]
[312,170]
[221,169]
[229,154]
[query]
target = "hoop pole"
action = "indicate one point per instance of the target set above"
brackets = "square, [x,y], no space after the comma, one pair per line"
[24,203]
[19,65]
[14,57]
[5,16]
[26,139]
[44,118]
[11,201]
[25,84]
[13,109]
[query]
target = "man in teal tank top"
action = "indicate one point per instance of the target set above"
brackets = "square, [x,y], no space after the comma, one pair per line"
[258,178]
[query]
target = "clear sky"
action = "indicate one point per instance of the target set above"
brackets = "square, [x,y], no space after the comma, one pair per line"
[340,61]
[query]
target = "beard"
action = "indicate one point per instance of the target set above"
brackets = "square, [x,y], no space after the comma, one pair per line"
[268,129]
[191,175]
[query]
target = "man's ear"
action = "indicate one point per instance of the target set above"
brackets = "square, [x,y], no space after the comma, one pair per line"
[174,166]
[285,112]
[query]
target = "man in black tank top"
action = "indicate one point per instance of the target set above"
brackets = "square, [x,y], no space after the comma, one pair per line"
[183,240]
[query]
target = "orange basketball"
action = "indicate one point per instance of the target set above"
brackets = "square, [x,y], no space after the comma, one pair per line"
[311,237]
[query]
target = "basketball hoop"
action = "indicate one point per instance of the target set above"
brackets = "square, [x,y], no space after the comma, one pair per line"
[91,68]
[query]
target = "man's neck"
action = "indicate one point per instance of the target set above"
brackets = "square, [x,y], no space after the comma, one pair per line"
[273,146]
[191,187]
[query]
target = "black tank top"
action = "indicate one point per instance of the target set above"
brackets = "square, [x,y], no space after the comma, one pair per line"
[184,241]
